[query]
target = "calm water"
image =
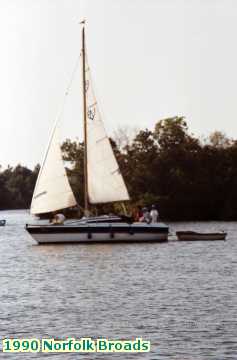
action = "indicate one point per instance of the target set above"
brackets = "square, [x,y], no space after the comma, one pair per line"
[181,296]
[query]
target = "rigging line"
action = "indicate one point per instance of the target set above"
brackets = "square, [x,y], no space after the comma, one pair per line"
[68,88]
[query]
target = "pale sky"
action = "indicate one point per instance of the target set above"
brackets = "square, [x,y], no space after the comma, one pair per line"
[149,59]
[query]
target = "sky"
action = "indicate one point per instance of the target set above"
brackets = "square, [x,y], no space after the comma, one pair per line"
[150,59]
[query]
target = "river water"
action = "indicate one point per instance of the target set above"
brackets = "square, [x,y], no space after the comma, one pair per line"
[181,296]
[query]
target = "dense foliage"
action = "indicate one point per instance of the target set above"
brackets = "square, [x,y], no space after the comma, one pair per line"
[186,178]
[16,187]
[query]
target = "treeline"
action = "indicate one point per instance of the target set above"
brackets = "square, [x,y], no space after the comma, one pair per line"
[186,177]
[16,187]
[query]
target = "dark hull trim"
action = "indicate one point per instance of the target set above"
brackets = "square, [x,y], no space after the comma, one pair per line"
[91,229]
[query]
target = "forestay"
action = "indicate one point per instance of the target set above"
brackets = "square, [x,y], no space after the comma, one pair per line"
[52,191]
[105,182]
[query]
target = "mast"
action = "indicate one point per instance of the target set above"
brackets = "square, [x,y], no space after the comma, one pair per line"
[84,121]
[103,182]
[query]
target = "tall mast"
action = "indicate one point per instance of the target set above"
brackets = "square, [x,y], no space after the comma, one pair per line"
[85,122]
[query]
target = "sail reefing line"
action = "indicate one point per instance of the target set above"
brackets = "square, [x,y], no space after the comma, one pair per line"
[52,190]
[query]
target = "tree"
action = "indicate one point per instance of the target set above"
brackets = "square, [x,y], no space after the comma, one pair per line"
[73,153]
[16,187]
[124,136]
[219,140]
[172,132]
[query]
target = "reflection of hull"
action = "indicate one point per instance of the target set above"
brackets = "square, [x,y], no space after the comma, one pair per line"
[2,222]
[192,235]
[98,232]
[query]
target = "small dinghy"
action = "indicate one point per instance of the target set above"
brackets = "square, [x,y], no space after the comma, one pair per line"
[2,222]
[192,235]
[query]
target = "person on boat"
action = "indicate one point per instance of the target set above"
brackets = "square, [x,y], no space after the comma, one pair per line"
[146,217]
[58,219]
[154,214]
[137,213]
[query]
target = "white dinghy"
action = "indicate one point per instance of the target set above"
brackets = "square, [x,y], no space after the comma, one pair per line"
[103,184]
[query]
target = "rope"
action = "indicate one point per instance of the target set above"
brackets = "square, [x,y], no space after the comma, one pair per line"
[68,89]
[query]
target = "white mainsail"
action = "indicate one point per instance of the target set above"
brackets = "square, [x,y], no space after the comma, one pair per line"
[105,182]
[52,191]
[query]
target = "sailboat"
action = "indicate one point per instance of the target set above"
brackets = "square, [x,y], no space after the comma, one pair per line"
[103,183]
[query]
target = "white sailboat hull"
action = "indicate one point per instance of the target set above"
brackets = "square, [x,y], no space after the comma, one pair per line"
[96,238]
[98,233]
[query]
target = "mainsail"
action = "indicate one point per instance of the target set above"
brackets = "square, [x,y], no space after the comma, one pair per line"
[52,191]
[105,182]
